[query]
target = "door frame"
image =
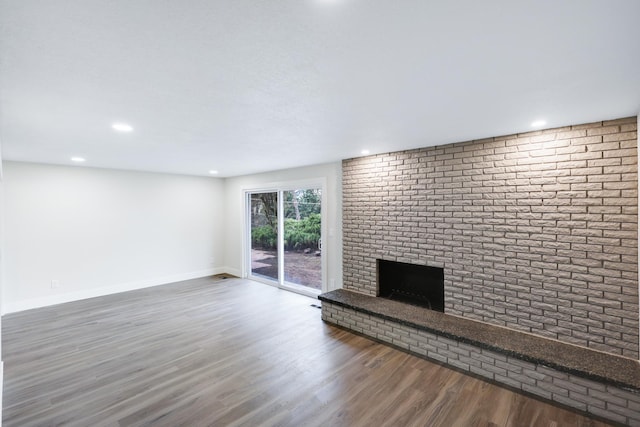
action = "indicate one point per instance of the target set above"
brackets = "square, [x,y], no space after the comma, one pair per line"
[280,187]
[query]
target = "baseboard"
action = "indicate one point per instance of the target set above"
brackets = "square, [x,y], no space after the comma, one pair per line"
[15,306]
[233,271]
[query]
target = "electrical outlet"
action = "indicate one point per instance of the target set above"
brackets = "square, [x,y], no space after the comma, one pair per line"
[55,284]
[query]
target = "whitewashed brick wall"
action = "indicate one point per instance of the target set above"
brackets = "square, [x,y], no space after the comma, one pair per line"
[535,231]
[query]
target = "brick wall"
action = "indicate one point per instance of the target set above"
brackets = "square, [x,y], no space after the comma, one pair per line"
[535,231]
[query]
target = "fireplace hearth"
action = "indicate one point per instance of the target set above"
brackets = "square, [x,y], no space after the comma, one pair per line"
[413,284]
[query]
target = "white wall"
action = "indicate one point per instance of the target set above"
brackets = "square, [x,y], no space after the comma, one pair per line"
[1,276]
[235,215]
[100,231]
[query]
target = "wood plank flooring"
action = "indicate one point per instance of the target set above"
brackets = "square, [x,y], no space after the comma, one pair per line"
[211,352]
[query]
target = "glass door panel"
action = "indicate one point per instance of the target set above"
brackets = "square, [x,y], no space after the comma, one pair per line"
[302,238]
[264,235]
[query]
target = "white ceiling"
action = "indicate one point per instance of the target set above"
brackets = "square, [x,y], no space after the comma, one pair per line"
[247,86]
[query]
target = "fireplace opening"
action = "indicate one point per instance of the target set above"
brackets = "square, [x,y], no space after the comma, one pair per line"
[414,284]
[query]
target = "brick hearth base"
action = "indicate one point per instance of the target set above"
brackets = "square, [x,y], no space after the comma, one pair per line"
[615,398]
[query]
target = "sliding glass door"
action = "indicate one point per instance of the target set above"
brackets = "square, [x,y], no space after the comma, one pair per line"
[264,235]
[302,237]
[285,238]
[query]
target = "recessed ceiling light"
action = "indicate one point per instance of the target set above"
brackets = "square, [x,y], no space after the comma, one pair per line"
[78,159]
[365,152]
[538,123]
[213,172]
[122,127]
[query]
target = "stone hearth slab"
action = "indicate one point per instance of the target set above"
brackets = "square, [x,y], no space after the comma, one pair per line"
[603,367]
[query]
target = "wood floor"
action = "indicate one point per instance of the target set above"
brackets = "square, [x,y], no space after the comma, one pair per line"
[211,352]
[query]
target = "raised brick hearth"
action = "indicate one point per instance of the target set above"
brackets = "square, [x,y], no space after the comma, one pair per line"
[594,382]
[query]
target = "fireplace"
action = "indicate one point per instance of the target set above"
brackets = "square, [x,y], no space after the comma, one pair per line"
[414,284]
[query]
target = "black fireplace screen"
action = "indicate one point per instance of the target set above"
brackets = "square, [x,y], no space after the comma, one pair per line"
[411,283]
